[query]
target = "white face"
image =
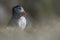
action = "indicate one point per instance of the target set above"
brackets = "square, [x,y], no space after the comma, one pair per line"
[22,10]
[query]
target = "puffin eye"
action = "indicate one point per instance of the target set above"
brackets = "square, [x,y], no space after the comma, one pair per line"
[20,8]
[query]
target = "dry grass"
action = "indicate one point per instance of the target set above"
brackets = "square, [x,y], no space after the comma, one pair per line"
[45,31]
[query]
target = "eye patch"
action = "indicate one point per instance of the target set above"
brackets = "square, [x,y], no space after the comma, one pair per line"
[17,10]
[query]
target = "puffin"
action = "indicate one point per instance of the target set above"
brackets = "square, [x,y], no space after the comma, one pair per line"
[18,17]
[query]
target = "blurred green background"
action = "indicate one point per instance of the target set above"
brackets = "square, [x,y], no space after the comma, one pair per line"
[37,9]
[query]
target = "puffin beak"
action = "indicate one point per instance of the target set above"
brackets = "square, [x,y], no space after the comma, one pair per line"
[23,14]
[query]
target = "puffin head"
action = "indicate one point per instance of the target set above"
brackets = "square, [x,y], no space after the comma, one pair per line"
[20,14]
[19,10]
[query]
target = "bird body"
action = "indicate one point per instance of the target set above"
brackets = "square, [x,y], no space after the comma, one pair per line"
[22,22]
[19,16]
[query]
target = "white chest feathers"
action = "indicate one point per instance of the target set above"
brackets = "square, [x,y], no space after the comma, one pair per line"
[22,22]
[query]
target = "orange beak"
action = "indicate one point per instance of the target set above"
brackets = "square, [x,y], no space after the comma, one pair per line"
[23,14]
